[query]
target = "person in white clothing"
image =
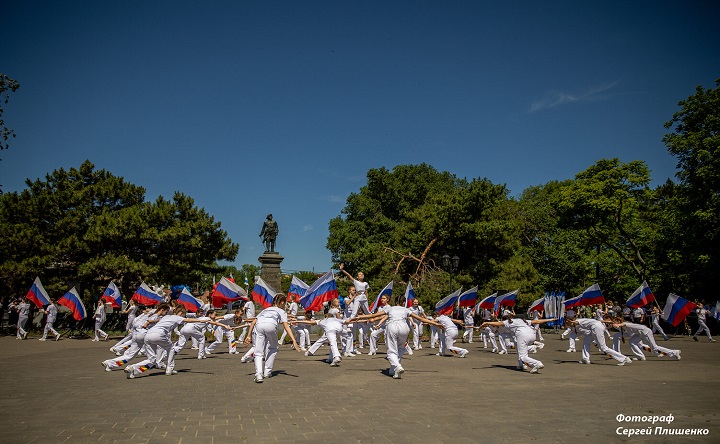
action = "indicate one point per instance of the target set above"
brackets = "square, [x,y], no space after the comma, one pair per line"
[23,309]
[397,331]
[51,312]
[100,317]
[535,316]
[640,333]
[360,301]
[417,327]
[448,334]
[229,321]
[594,330]
[469,318]
[292,311]
[265,324]
[379,327]
[655,321]
[332,327]
[524,336]
[136,344]
[157,340]
[702,326]
[248,313]
[131,312]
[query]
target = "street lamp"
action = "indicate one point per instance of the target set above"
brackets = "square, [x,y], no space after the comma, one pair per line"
[451,265]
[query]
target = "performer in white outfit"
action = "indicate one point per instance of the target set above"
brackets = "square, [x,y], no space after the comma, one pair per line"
[23,309]
[640,333]
[535,316]
[131,313]
[360,301]
[138,342]
[702,326]
[524,337]
[379,327]
[594,330]
[229,321]
[397,331]
[249,313]
[655,319]
[333,327]
[265,325]
[417,327]
[51,312]
[570,332]
[448,334]
[469,318]
[100,317]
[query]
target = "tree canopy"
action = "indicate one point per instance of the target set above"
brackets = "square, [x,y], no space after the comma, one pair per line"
[85,226]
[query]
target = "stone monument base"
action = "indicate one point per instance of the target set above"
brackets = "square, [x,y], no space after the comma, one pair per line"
[270,269]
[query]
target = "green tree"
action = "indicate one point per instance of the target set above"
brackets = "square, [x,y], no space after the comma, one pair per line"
[86,226]
[608,201]
[695,202]
[7,86]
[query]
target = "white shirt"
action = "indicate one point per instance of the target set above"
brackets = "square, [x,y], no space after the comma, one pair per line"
[272,315]
[249,308]
[332,324]
[398,314]
[361,288]
[195,327]
[52,312]
[166,324]
[518,326]
[293,309]
[446,322]
[468,316]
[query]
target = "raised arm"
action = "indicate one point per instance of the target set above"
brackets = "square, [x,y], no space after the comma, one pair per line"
[342,268]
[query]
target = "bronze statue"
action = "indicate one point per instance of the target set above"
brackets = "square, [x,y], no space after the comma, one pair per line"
[270,232]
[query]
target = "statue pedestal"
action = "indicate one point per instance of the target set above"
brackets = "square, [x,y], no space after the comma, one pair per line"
[270,269]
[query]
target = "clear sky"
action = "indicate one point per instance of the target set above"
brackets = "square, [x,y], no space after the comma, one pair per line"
[282,107]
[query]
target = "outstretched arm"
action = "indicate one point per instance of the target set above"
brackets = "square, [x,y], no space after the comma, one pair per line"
[492,324]
[248,338]
[426,320]
[342,268]
[542,321]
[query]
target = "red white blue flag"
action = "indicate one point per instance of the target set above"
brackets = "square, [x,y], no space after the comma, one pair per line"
[592,296]
[262,293]
[447,304]
[228,291]
[641,297]
[37,294]
[676,309]
[145,296]
[322,290]
[298,288]
[468,298]
[387,291]
[112,295]
[190,302]
[72,301]
[538,305]
[506,300]
[487,303]
[409,295]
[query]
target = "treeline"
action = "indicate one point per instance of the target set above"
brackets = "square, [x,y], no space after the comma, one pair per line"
[605,226]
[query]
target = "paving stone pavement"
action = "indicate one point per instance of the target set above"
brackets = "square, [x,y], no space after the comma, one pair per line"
[55,392]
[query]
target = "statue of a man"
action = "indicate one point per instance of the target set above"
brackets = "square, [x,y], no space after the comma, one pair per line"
[269,232]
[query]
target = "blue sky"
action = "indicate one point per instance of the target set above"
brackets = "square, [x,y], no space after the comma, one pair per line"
[282,107]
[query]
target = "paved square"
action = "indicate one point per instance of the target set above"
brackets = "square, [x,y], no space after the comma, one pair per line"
[59,392]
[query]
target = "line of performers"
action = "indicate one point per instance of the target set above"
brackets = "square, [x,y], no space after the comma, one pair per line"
[151,332]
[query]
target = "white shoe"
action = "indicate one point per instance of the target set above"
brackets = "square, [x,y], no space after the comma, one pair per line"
[494,350]
[409,351]
[267,375]
[534,369]
[303,349]
[584,361]
[108,369]
[57,337]
[371,353]
[194,347]
[335,362]
[398,372]
[502,352]
[541,365]
[626,361]
[244,360]
[258,378]
[349,355]
[677,354]
[463,354]
[307,353]
[570,350]
[130,372]
[357,352]
[170,372]
[94,340]
[42,339]
[540,345]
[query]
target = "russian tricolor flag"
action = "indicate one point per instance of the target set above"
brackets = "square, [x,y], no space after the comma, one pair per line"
[592,295]
[145,296]
[676,309]
[468,298]
[298,288]
[228,291]
[37,294]
[409,295]
[506,300]
[538,305]
[262,293]
[641,297]
[112,295]
[322,290]
[446,305]
[489,302]
[572,302]
[72,301]
[387,291]
[190,302]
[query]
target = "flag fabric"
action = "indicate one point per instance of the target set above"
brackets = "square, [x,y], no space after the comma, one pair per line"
[538,305]
[592,295]
[572,302]
[227,291]
[262,293]
[387,291]
[190,302]
[409,295]
[37,294]
[112,296]
[298,288]
[488,303]
[641,297]
[322,290]
[676,309]
[506,300]
[468,298]
[72,301]
[145,296]
[446,305]
[716,311]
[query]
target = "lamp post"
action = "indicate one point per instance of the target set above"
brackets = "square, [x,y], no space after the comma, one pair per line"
[451,265]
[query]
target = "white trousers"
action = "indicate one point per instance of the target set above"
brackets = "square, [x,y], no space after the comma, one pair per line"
[266,337]
[446,341]
[396,334]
